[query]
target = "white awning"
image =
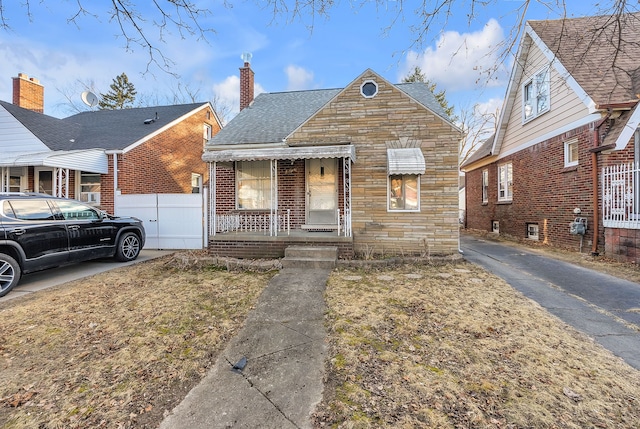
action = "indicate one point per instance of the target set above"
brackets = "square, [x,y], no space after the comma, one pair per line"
[307,152]
[91,160]
[405,161]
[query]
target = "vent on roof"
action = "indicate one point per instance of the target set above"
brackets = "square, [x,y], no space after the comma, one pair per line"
[151,121]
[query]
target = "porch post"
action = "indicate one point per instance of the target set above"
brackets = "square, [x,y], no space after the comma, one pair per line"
[273,210]
[212,198]
[61,182]
[4,179]
[346,183]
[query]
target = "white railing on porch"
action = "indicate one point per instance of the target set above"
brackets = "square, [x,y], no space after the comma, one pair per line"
[620,187]
[267,224]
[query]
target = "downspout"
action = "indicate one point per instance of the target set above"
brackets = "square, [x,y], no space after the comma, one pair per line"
[594,178]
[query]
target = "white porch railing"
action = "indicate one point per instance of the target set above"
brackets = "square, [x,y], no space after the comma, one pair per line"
[265,224]
[620,187]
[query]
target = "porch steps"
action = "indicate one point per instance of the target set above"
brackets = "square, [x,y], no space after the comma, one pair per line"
[310,257]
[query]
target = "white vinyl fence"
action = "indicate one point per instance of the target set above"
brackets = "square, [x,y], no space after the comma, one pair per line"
[620,187]
[171,221]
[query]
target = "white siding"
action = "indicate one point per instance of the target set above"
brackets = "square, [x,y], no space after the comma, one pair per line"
[14,137]
[566,107]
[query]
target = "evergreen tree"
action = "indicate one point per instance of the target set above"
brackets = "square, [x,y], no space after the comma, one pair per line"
[441,96]
[121,95]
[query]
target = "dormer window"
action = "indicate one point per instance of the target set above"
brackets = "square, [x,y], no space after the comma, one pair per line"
[535,95]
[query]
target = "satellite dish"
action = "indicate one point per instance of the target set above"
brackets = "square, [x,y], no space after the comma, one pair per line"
[89,98]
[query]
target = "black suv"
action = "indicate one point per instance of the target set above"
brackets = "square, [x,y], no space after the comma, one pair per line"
[39,231]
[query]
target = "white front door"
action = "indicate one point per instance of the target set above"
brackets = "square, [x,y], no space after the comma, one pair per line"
[322,191]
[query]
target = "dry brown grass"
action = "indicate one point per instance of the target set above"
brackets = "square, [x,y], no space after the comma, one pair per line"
[118,349]
[447,346]
[455,347]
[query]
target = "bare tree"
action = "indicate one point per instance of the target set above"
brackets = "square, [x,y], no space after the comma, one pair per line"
[143,24]
[477,126]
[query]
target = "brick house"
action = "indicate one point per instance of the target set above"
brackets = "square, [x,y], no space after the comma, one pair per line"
[566,149]
[152,149]
[370,169]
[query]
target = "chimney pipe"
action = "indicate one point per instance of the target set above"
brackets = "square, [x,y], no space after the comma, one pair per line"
[28,93]
[246,82]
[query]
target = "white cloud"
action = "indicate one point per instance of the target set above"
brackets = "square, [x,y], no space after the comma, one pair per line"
[228,93]
[460,61]
[298,78]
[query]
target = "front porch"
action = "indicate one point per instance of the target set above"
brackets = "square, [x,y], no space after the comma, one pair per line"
[258,245]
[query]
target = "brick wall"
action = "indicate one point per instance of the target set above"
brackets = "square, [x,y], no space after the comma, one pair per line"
[268,249]
[544,192]
[162,164]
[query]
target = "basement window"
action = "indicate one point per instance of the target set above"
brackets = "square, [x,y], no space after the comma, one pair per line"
[532,231]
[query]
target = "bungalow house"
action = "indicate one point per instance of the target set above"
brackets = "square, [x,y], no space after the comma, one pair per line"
[562,167]
[94,155]
[370,168]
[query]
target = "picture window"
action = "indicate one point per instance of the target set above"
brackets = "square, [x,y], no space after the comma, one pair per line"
[254,185]
[404,192]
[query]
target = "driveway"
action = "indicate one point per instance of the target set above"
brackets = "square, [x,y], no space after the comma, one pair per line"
[48,278]
[604,307]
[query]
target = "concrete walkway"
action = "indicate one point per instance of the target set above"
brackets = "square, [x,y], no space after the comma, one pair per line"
[283,341]
[604,307]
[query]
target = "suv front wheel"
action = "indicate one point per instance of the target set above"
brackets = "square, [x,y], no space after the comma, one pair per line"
[9,273]
[128,247]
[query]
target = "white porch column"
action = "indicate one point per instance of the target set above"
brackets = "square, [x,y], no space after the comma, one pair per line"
[4,179]
[61,182]
[212,198]
[346,183]
[273,226]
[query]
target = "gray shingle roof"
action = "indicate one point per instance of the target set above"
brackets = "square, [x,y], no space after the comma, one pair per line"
[273,116]
[600,52]
[117,129]
[101,129]
[51,131]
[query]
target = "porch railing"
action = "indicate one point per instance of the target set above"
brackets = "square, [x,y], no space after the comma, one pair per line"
[620,199]
[266,224]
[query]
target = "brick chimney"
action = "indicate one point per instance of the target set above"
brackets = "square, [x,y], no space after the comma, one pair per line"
[28,93]
[246,82]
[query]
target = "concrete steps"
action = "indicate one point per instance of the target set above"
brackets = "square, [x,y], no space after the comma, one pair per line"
[310,257]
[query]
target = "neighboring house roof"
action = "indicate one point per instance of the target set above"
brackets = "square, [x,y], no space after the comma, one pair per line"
[596,55]
[600,52]
[119,129]
[101,129]
[482,152]
[272,117]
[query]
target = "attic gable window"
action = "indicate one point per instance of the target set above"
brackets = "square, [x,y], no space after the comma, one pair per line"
[369,89]
[535,95]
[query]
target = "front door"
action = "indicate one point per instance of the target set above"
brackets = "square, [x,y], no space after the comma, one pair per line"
[322,192]
[43,181]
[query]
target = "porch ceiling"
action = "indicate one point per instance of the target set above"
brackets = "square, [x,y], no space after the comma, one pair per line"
[307,152]
[91,160]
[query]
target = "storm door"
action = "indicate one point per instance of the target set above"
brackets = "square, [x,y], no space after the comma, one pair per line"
[322,192]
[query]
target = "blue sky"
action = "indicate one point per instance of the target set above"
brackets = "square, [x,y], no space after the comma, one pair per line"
[286,55]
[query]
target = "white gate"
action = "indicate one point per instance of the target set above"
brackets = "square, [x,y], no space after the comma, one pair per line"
[171,221]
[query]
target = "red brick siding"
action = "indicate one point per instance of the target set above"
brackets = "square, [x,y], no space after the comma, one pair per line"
[269,249]
[162,164]
[545,192]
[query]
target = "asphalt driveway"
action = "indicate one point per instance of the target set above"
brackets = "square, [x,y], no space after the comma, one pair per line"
[604,307]
[48,278]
